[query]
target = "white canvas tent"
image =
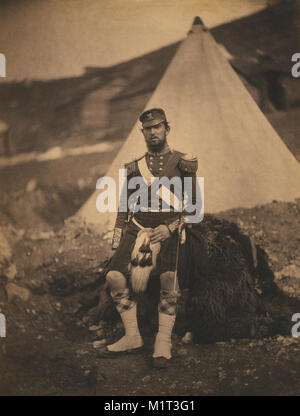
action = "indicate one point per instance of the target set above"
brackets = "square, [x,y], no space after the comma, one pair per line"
[242,159]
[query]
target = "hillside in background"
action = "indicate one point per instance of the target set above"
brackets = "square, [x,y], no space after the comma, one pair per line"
[104,103]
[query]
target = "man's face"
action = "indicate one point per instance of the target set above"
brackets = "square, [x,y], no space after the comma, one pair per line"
[155,136]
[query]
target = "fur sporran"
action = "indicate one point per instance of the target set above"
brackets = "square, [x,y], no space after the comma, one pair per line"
[143,260]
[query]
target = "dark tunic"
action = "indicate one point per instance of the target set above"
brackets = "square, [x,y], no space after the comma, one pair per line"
[169,164]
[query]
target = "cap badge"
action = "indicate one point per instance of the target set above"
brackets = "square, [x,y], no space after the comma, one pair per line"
[149,116]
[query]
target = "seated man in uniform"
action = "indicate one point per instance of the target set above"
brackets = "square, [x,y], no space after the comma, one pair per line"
[161,248]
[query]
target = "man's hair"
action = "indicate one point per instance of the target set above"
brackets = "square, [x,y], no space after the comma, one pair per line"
[167,125]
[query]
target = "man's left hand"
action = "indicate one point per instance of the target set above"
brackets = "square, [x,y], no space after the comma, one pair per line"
[160,234]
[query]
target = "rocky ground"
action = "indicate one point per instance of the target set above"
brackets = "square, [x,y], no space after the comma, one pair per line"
[49,276]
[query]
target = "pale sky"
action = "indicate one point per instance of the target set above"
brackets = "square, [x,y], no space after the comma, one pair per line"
[45,39]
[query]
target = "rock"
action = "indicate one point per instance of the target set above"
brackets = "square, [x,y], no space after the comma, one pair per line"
[96,327]
[146,379]
[31,185]
[187,338]
[199,383]
[58,306]
[81,352]
[182,352]
[17,291]
[43,235]
[240,223]
[11,272]
[208,391]
[235,381]
[99,343]
[280,338]
[5,250]
[99,334]
[290,341]
[292,270]
[221,375]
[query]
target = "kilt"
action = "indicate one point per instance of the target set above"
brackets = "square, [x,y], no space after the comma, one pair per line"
[166,259]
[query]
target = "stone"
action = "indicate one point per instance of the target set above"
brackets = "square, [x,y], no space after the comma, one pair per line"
[43,235]
[95,327]
[292,270]
[13,290]
[81,352]
[182,352]
[187,338]
[31,185]
[11,271]
[5,250]
[99,343]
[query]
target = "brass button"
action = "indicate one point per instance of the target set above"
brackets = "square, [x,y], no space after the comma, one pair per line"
[160,168]
[151,163]
[160,163]
[161,157]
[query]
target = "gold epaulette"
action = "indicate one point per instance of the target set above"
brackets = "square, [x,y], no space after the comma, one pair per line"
[188,163]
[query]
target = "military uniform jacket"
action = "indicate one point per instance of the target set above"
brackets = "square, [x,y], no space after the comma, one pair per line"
[169,164]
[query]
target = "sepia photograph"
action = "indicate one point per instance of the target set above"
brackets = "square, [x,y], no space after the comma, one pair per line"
[149,200]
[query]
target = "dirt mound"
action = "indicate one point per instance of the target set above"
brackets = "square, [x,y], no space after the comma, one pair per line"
[275,228]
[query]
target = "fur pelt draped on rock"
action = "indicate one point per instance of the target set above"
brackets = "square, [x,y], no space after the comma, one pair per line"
[218,269]
[226,283]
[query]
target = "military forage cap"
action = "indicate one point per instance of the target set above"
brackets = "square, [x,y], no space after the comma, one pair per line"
[152,117]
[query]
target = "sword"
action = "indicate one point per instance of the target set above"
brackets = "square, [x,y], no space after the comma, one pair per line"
[181,240]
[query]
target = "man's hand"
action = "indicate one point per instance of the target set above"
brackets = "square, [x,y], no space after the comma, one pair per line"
[160,234]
